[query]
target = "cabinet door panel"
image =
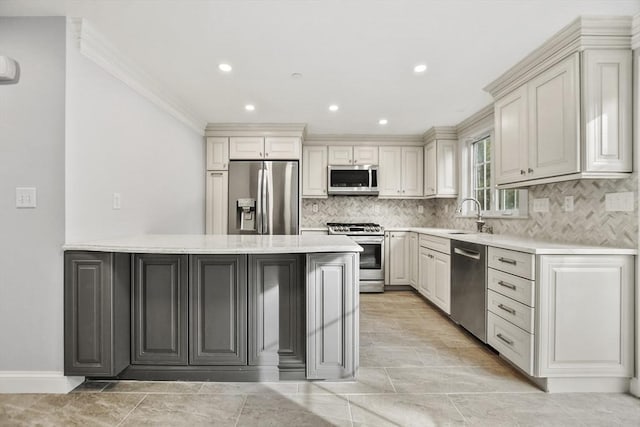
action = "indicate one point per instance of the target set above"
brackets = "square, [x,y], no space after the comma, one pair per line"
[412,171]
[340,155]
[276,290]
[246,148]
[554,120]
[282,148]
[607,109]
[390,172]
[430,169]
[160,309]
[217,153]
[399,263]
[332,316]
[97,313]
[423,272]
[511,133]
[442,281]
[447,166]
[218,302]
[217,188]
[413,259]
[314,171]
[365,155]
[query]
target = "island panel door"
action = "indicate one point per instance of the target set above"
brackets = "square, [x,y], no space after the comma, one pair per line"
[218,310]
[160,310]
[276,310]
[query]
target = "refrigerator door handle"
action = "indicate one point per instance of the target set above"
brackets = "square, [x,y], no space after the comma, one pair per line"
[265,202]
[260,206]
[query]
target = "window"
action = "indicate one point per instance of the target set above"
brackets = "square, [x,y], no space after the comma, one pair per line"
[494,202]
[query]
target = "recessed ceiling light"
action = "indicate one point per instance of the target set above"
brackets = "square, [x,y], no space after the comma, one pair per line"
[333,107]
[420,68]
[383,121]
[250,107]
[296,75]
[226,68]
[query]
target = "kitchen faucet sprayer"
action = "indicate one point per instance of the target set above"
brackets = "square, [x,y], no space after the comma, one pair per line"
[479,221]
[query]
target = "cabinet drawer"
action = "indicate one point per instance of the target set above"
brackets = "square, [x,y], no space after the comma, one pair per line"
[512,342]
[513,311]
[518,263]
[439,244]
[517,288]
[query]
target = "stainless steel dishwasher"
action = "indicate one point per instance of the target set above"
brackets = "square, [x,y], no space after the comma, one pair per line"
[469,287]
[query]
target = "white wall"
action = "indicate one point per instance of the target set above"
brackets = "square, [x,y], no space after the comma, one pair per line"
[118,141]
[32,154]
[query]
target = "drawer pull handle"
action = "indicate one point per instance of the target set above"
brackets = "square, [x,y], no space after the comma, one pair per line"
[508,260]
[507,309]
[507,285]
[506,340]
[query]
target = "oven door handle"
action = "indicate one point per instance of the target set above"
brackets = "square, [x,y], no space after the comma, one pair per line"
[367,240]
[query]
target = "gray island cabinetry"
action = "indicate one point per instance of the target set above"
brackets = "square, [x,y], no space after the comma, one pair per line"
[229,308]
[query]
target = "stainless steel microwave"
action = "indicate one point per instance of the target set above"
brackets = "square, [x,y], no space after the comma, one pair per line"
[353,179]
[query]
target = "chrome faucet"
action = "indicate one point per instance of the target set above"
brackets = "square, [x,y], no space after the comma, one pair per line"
[479,221]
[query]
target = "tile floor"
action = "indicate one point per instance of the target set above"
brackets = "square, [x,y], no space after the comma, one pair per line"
[417,369]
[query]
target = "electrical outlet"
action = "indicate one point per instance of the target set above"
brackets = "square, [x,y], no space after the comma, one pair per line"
[117,199]
[619,202]
[314,208]
[420,209]
[568,203]
[541,205]
[26,197]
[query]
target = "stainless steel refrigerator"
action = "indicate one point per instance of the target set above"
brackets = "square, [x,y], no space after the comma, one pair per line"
[263,197]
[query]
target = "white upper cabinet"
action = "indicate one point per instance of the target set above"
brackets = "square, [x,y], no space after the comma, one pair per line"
[246,147]
[352,155]
[340,155]
[217,187]
[511,144]
[441,169]
[217,153]
[314,171]
[563,118]
[401,172]
[282,148]
[365,155]
[270,148]
[554,115]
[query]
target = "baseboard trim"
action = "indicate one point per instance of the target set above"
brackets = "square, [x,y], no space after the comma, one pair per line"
[584,385]
[634,387]
[37,382]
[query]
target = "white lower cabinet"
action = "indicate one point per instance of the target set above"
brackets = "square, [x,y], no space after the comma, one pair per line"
[413,260]
[570,329]
[398,266]
[217,193]
[434,271]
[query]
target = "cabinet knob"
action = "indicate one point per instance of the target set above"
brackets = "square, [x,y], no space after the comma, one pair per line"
[403,191]
[260,154]
[266,155]
[522,172]
[355,161]
[530,170]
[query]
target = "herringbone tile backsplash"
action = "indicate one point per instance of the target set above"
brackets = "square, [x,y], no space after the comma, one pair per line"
[589,223]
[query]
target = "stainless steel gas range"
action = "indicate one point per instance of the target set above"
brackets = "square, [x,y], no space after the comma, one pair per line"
[371,237]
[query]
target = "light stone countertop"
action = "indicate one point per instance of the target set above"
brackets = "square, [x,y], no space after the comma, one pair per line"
[517,243]
[218,244]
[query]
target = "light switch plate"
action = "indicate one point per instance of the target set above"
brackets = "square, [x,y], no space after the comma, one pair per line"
[420,209]
[541,205]
[26,197]
[568,203]
[314,208]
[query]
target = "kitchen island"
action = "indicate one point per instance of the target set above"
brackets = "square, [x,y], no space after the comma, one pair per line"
[212,307]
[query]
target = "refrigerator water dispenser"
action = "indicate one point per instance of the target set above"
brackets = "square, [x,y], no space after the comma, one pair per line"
[246,214]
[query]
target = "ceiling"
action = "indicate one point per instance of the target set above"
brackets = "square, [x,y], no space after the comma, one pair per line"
[358,54]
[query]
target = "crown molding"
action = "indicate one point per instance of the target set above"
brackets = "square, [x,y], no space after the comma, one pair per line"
[635,32]
[585,32]
[440,132]
[362,139]
[481,118]
[96,47]
[256,129]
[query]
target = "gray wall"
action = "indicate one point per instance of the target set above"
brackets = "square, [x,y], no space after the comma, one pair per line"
[32,135]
